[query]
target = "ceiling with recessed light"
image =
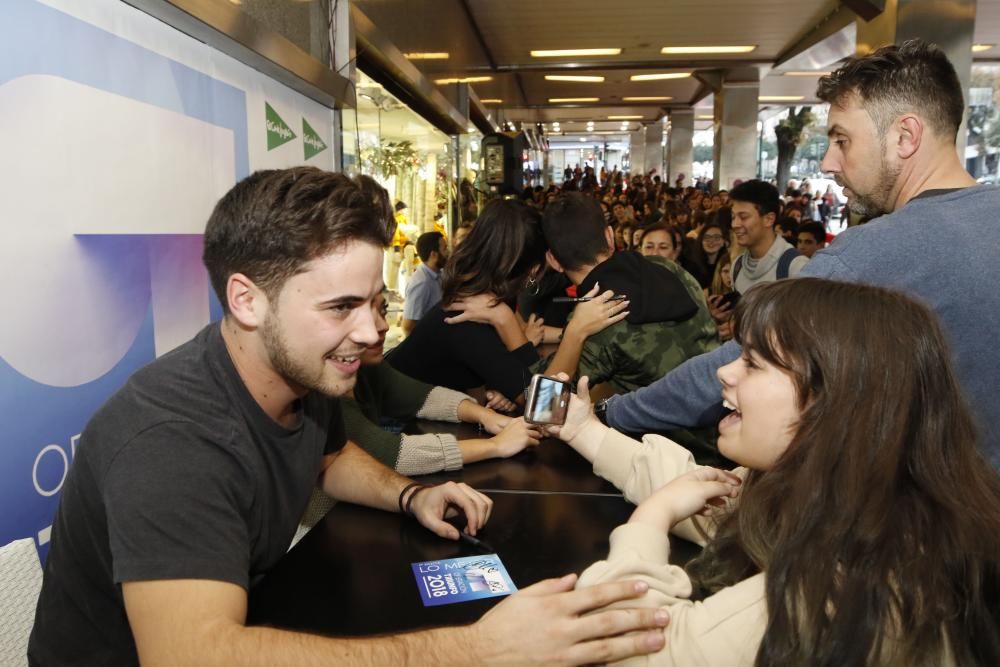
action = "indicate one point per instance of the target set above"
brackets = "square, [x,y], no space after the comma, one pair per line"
[491,43]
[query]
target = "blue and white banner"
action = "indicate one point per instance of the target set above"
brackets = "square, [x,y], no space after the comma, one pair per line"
[119,134]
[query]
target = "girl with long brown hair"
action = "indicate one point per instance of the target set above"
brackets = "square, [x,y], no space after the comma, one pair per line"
[864,525]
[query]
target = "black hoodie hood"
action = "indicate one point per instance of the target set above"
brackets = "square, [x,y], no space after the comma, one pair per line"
[656,294]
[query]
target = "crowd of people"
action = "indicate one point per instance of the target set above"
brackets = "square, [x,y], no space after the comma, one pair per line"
[845,392]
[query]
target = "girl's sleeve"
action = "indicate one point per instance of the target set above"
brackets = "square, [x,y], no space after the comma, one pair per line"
[724,629]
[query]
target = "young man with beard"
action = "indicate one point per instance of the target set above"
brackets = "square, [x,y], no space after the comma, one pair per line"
[189,481]
[894,116]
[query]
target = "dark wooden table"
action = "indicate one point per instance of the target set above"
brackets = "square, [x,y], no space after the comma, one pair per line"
[551,467]
[351,575]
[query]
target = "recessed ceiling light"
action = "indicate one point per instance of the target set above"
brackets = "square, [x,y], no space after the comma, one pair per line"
[432,55]
[780,98]
[806,73]
[559,53]
[583,138]
[661,98]
[676,50]
[566,77]
[979,48]
[659,76]
[564,100]
[491,101]
[468,79]
[624,117]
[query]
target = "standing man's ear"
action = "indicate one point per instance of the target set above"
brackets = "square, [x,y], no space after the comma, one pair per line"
[910,130]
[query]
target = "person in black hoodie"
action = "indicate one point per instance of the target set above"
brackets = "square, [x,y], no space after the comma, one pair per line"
[455,345]
[666,325]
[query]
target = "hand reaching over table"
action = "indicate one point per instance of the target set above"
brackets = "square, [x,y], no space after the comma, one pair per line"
[430,505]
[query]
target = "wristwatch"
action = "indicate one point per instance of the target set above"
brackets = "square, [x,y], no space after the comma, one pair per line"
[601,410]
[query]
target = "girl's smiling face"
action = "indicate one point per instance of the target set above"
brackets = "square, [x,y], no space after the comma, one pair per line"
[765,415]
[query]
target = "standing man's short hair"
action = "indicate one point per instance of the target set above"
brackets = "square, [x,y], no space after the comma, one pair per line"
[913,76]
[427,243]
[761,194]
[574,228]
[273,222]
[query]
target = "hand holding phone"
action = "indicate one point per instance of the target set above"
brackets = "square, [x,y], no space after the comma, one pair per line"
[547,400]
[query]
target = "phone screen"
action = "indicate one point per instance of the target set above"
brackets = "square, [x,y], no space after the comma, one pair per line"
[548,401]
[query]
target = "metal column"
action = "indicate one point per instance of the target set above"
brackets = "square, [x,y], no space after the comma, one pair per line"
[654,148]
[735,150]
[680,157]
[637,152]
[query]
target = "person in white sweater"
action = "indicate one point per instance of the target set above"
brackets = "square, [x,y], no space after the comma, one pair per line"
[864,525]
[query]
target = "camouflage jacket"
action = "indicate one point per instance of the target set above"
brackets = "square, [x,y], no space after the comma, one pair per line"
[630,355]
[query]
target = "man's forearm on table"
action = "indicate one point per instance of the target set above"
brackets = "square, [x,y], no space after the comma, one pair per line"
[253,646]
[684,397]
[356,477]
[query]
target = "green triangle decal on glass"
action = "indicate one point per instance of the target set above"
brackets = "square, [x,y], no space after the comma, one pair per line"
[278,132]
[311,141]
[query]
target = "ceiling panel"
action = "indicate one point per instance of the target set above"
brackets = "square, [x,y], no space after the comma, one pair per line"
[428,26]
[493,38]
[616,85]
[987,30]
[642,27]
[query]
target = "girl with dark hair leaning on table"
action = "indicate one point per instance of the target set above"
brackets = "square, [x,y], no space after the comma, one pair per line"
[503,253]
[383,392]
[864,499]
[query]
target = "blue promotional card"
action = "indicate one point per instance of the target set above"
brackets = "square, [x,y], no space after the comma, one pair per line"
[460,579]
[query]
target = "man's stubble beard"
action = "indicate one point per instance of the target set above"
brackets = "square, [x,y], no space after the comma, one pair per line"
[876,203]
[294,372]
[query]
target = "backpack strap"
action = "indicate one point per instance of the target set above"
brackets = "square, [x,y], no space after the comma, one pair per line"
[737,267]
[785,261]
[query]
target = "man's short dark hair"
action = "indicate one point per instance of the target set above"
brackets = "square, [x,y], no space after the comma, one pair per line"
[427,243]
[914,76]
[574,228]
[273,222]
[787,224]
[815,230]
[761,194]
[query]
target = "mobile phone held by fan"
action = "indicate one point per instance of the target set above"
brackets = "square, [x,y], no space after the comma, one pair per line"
[547,400]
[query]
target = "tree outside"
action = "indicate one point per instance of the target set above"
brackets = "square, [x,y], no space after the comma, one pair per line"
[790,133]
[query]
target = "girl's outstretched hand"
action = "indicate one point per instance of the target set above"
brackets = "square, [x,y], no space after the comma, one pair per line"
[694,492]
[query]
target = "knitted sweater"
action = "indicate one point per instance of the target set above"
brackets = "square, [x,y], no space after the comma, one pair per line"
[381,391]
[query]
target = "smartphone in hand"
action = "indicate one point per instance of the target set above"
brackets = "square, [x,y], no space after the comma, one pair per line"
[547,400]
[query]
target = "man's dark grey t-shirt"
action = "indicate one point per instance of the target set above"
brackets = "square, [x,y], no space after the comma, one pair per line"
[180,475]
